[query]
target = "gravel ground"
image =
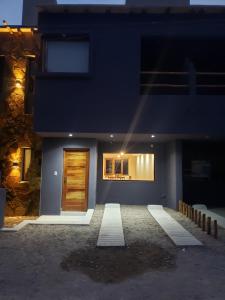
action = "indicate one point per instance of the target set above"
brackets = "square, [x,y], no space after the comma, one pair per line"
[62,262]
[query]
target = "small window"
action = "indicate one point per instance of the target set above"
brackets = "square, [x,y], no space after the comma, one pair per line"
[67,56]
[26,159]
[128,166]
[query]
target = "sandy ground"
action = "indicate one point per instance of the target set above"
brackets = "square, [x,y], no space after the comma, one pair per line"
[62,262]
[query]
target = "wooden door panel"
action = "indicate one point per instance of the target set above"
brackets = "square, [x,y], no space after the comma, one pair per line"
[76,163]
[75,183]
[76,196]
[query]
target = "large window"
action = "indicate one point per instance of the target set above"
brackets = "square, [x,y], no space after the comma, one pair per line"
[67,56]
[128,166]
[26,159]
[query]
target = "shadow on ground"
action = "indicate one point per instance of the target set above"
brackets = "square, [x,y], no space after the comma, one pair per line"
[112,264]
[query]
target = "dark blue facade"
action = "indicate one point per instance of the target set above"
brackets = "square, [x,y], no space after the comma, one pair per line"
[108,99]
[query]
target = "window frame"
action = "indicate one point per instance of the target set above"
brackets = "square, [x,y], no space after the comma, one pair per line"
[65,38]
[103,173]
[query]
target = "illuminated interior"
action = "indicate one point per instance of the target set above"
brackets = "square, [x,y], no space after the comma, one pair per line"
[128,166]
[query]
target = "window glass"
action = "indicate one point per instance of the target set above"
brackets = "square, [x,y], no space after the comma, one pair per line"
[128,166]
[118,166]
[26,159]
[67,56]
[108,166]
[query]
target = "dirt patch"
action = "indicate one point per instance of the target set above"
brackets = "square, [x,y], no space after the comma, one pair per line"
[12,221]
[111,265]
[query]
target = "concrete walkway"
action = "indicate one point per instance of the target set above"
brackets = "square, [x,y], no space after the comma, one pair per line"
[203,209]
[176,232]
[66,218]
[111,231]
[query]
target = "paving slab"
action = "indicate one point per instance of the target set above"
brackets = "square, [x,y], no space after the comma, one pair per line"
[176,232]
[111,230]
[69,218]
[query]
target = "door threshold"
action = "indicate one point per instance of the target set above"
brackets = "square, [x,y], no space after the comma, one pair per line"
[73,213]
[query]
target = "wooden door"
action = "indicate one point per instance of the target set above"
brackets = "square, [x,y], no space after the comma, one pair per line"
[75,181]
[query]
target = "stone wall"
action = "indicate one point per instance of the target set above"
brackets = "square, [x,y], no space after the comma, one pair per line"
[16,129]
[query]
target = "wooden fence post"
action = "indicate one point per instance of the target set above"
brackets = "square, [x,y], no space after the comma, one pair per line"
[196,213]
[192,214]
[208,225]
[187,210]
[215,229]
[203,222]
[199,219]
[187,213]
[182,207]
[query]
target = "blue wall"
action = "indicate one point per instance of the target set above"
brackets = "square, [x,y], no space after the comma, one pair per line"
[144,192]
[111,91]
[51,185]
[164,190]
[174,188]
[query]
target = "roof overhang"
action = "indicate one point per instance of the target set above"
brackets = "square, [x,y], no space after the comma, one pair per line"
[136,137]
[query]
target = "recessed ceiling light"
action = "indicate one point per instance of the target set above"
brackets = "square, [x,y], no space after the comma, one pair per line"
[152,136]
[111,136]
[70,134]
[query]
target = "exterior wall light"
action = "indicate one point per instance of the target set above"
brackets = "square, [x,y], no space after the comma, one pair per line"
[18,84]
[111,136]
[153,136]
[70,134]
[15,164]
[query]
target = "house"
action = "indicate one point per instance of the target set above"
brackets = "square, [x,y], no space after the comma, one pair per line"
[130,104]
[128,101]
